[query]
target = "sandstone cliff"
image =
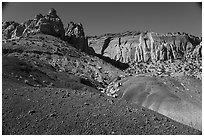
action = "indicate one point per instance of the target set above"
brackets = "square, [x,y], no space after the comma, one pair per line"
[146,46]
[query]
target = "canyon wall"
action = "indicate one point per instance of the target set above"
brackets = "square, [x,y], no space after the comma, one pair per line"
[146,46]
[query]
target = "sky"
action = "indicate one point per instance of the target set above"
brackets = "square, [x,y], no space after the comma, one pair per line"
[104,17]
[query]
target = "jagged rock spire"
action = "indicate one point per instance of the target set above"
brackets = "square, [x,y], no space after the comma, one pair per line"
[52,12]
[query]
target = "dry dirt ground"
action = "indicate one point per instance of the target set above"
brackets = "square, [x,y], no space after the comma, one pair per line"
[33,110]
[57,92]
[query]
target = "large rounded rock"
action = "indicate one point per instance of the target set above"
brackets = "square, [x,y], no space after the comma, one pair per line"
[168,96]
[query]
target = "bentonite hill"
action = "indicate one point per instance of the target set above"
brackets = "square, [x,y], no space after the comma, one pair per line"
[56,80]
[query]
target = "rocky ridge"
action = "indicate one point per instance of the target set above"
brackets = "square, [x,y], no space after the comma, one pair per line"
[49,24]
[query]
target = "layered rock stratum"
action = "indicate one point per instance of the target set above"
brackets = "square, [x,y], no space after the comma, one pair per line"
[146,46]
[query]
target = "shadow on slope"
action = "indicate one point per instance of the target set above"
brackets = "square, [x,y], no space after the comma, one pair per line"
[117,64]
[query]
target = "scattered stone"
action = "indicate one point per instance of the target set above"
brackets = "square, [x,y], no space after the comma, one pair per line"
[86,103]
[26,81]
[31,112]
[53,115]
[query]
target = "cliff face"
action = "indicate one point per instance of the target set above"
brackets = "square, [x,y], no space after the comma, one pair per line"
[146,46]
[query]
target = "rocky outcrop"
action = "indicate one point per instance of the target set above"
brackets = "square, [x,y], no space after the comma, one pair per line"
[49,24]
[74,33]
[75,30]
[197,52]
[145,46]
[18,32]
[11,29]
